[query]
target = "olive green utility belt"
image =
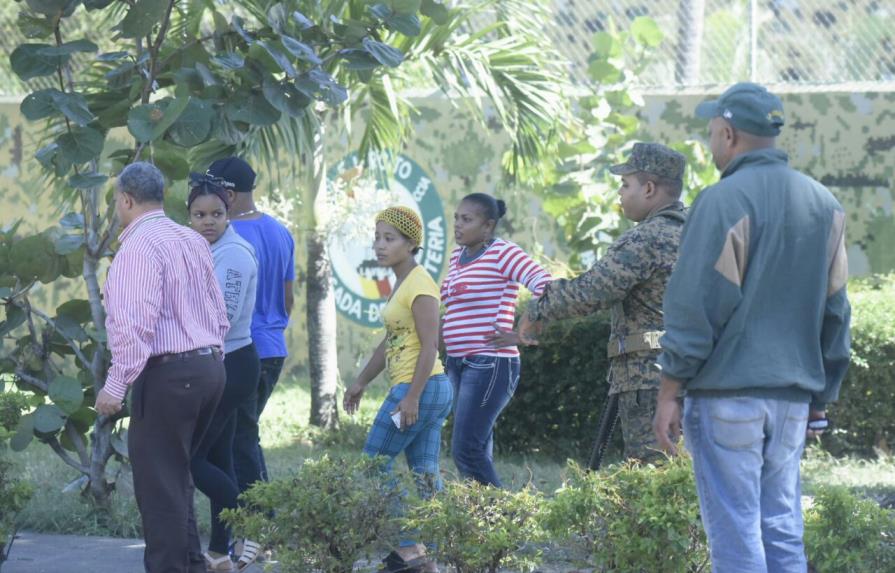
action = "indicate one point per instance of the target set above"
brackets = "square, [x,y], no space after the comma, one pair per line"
[634,343]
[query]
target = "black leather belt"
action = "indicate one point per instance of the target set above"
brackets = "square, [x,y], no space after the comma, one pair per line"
[163,358]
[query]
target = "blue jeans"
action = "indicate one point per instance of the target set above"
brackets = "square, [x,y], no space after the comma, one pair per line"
[746,454]
[483,386]
[248,458]
[421,442]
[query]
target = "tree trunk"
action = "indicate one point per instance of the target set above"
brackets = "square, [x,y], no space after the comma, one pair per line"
[322,356]
[323,363]
[98,488]
[691,24]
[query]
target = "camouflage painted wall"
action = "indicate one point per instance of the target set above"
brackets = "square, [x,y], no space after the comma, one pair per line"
[448,146]
[843,139]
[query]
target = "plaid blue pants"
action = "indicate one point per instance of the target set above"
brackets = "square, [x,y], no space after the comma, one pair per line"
[421,442]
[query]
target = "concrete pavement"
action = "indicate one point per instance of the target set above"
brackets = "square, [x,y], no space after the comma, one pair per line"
[49,553]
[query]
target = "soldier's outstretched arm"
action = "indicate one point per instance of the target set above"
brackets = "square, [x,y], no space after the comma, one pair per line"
[626,264]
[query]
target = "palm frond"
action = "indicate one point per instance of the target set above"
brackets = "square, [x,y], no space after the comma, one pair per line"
[277,147]
[318,11]
[387,118]
[494,57]
[187,18]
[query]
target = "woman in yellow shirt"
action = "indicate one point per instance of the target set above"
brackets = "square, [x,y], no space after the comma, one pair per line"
[412,415]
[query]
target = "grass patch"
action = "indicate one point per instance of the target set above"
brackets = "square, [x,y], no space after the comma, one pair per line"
[288,440]
[60,509]
[871,477]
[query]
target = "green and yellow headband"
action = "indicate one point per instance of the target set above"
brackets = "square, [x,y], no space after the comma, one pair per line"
[405,220]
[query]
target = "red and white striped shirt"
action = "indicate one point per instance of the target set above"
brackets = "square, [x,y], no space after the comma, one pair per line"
[481,294]
[161,296]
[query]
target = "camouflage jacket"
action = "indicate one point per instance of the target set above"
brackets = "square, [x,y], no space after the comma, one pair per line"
[629,280]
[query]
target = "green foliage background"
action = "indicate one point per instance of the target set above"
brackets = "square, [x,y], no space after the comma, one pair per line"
[864,415]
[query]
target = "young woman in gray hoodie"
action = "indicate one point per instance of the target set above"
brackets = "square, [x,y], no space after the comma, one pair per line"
[237,270]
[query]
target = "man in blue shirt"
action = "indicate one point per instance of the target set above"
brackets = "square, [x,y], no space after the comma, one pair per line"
[756,333]
[274,248]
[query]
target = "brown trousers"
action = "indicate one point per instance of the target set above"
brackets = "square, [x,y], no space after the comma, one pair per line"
[171,407]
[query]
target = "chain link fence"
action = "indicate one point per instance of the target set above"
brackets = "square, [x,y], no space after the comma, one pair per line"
[89,25]
[810,43]
[718,42]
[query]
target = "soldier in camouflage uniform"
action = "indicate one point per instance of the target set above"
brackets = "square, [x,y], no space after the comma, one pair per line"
[630,280]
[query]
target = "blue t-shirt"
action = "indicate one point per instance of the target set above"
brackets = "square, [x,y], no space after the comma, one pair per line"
[274,249]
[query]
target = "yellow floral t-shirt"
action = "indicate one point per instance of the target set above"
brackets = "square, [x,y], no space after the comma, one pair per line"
[402,348]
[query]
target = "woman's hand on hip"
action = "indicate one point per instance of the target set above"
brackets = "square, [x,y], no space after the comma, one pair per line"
[502,338]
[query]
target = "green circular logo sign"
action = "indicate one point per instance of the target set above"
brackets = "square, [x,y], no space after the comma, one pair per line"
[361,285]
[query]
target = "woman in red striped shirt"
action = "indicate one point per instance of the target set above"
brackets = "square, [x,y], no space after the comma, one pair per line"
[479,294]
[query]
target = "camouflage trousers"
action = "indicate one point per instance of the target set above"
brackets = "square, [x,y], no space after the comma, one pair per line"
[636,410]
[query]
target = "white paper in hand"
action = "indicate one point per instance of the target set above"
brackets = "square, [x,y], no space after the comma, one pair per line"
[396,418]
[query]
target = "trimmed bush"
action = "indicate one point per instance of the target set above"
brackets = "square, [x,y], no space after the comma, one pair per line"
[14,494]
[848,534]
[480,529]
[563,384]
[325,517]
[864,415]
[632,517]
[561,391]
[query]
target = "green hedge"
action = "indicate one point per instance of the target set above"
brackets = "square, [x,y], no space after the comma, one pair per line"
[325,517]
[630,517]
[563,384]
[625,518]
[481,529]
[561,391]
[14,493]
[846,533]
[864,415]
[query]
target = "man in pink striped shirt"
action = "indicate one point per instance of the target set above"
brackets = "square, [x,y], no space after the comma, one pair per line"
[166,321]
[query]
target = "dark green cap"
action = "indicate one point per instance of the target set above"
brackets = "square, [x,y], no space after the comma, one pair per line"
[655,159]
[748,107]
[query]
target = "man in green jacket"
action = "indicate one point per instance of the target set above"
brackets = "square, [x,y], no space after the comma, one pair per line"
[756,333]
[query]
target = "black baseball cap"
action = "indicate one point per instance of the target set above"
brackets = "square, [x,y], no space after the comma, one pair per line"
[235,173]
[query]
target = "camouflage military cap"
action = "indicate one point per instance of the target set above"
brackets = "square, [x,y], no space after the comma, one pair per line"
[655,159]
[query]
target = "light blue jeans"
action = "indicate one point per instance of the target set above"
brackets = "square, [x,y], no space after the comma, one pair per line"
[746,454]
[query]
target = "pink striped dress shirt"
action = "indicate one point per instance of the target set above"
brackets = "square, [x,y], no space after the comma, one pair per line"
[161,296]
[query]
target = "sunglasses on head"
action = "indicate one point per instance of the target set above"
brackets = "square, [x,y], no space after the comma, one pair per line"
[204,179]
